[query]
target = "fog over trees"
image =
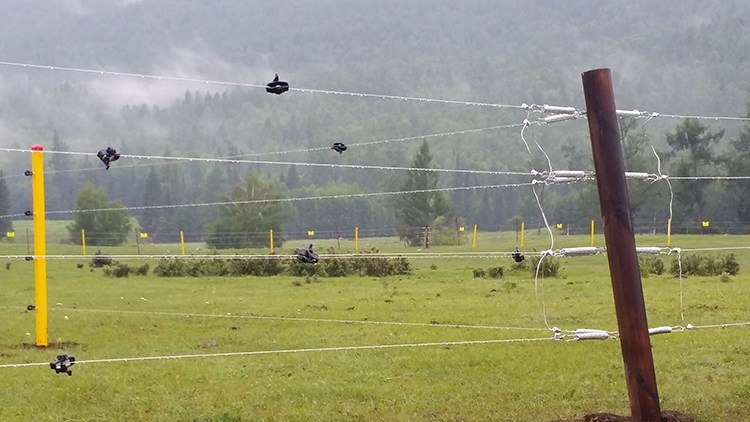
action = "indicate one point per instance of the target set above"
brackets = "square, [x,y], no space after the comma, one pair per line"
[684,58]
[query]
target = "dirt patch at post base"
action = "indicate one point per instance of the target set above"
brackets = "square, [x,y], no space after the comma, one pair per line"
[668,416]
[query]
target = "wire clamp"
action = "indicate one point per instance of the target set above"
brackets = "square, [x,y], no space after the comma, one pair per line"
[62,364]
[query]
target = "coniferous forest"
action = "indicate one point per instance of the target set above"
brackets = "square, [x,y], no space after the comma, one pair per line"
[681,58]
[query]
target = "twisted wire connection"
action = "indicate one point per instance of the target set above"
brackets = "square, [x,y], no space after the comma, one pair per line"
[526,124]
[250,85]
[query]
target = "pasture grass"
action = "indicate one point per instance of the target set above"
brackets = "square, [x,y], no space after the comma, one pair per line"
[703,372]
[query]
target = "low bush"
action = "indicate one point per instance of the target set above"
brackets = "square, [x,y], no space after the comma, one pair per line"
[370,266]
[550,266]
[169,267]
[702,265]
[116,269]
[649,265]
[495,272]
[100,260]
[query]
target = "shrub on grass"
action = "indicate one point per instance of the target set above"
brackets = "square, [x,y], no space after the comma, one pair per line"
[370,266]
[495,272]
[649,265]
[142,269]
[100,260]
[116,269]
[729,264]
[701,265]
[377,266]
[479,273]
[298,268]
[168,267]
[550,266]
[335,267]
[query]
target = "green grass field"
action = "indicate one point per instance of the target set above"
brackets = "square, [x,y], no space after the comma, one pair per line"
[704,372]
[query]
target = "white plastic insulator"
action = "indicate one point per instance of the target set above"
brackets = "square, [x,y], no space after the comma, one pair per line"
[549,252]
[569,173]
[595,335]
[648,250]
[659,330]
[690,327]
[636,175]
[558,109]
[559,118]
[566,179]
[629,113]
[586,250]
[525,106]
[589,330]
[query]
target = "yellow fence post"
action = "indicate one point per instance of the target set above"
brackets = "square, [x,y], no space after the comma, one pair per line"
[592,232]
[83,241]
[474,244]
[40,247]
[356,238]
[271,234]
[522,231]
[669,231]
[182,241]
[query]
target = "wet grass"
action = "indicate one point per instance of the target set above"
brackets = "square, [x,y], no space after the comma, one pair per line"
[703,372]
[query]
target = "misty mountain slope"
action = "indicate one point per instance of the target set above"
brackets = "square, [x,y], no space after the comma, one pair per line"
[664,53]
[682,57]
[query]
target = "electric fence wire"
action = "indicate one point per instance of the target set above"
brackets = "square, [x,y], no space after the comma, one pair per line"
[365,255]
[284,163]
[278,200]
[560,111]
[282,351]
[250,85]
[289,319]
[349,145]
[578,335]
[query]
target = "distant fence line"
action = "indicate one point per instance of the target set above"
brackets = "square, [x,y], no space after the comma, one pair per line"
[139,236]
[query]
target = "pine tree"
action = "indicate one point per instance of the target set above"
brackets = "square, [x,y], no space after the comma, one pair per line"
[246,225]
[149,219]
[695,140]
[6,224]
[415,211]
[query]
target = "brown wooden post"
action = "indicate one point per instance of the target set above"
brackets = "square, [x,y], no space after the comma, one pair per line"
[621,254]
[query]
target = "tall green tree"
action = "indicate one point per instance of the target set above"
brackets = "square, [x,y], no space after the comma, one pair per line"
[694,141]
[104,227]
[247,225]
[646,199]
[153,196]
[414,211]
[736,160]
[6,224]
